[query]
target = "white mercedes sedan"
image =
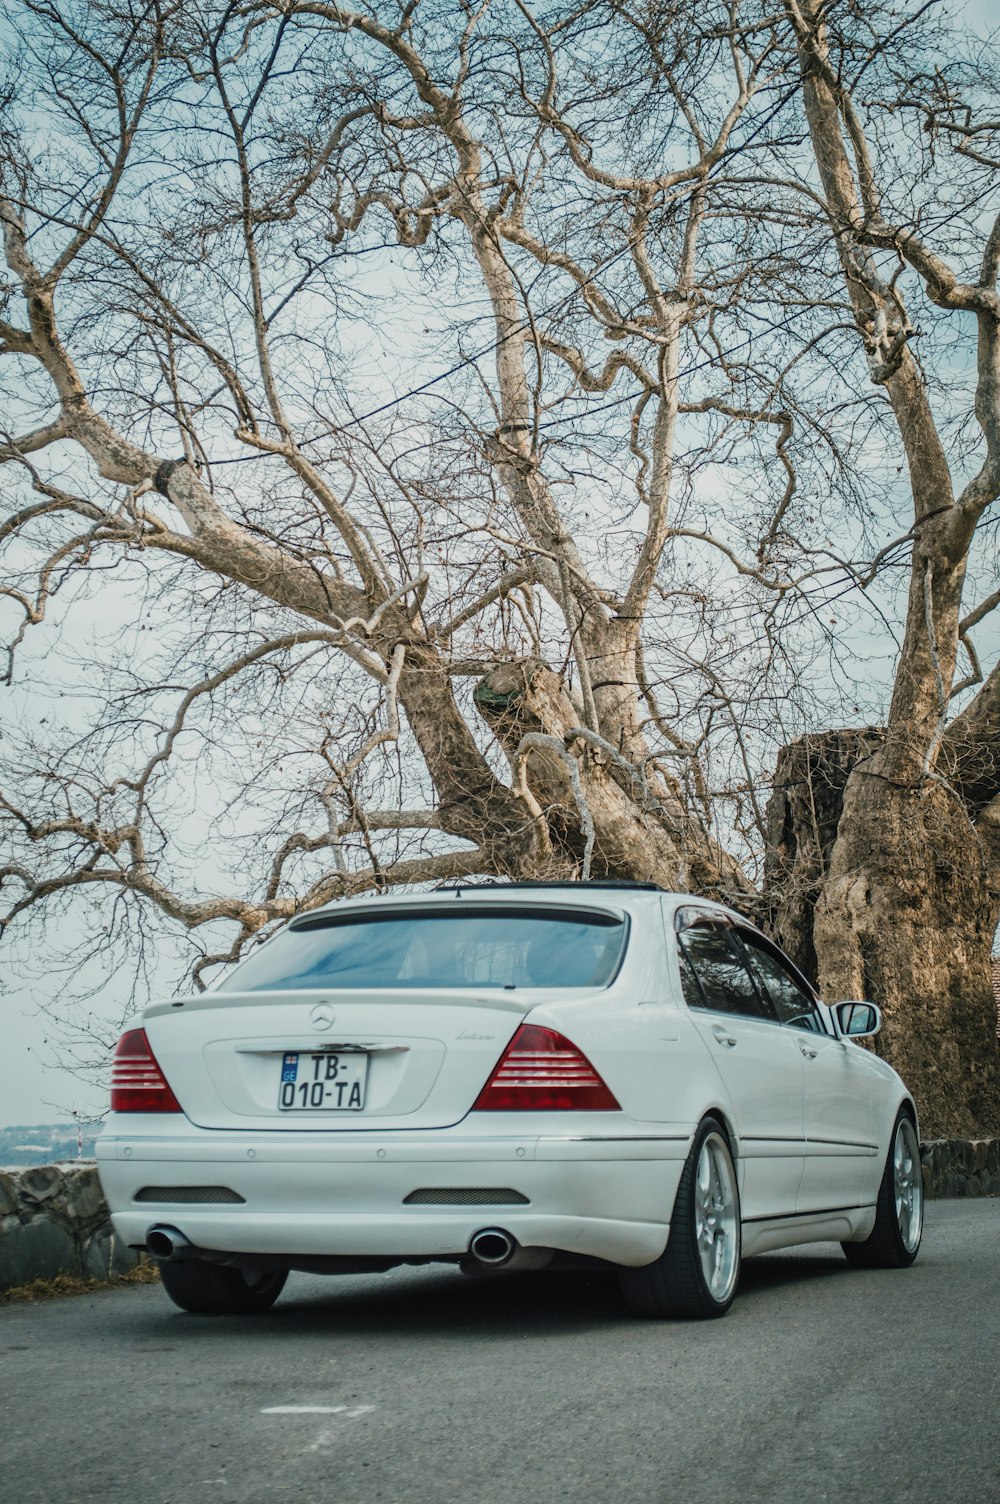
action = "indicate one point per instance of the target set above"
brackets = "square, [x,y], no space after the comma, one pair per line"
[508,1076]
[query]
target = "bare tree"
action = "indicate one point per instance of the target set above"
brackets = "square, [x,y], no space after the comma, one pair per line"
[399,573]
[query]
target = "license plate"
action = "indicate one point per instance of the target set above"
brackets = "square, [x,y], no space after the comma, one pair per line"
[323,1083]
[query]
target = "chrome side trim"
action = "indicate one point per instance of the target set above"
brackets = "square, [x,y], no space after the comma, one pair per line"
[833,1143]
[823,1211]
[326,1047]
[764,1138]
[844,1143]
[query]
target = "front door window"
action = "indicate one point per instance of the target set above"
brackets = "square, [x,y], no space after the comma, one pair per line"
[791,1003]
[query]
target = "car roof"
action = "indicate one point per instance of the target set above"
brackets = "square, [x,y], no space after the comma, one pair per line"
[597,894]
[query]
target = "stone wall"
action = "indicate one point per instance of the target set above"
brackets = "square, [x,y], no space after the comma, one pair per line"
[961,1167]
[54,1220]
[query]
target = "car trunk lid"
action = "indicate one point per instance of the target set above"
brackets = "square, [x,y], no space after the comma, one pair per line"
[396,1058]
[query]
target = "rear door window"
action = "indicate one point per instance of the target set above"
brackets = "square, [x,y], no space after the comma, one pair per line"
[714,974]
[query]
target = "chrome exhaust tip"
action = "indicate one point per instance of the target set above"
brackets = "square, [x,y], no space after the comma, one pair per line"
[492,1247]
[166,1242]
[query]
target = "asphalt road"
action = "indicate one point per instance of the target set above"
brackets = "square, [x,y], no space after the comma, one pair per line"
[425,1387]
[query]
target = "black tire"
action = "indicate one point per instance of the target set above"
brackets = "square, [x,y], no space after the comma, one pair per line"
[894,1241]
[215,1290]
[675,1284]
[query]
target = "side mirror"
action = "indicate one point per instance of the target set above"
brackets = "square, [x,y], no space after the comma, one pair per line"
[857,1020]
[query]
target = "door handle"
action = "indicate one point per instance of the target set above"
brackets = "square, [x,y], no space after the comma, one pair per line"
[726,1039]
[807,1051]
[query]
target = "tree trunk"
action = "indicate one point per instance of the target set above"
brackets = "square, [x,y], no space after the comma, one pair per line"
[884,891]
[908,906]
[801,823]
[592,803]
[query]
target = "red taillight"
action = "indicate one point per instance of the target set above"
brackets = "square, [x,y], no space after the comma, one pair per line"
[137,1083]
[540,1071]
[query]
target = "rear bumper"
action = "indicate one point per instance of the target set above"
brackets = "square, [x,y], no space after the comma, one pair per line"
[608,1196]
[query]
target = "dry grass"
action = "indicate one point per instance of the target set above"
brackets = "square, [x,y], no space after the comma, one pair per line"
[60,1285]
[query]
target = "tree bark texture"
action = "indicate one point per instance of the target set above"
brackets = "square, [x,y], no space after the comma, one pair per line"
[597,809]
[886,892]
[801,824]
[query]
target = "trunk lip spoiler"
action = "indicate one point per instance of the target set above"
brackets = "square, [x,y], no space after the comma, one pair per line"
[520,1001]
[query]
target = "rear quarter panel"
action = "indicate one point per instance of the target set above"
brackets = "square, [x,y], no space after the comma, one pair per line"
[639,1037]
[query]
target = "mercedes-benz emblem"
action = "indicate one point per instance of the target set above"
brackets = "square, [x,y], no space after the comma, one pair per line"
[322,1016]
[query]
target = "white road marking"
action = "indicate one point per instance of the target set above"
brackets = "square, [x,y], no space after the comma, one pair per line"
[304,1410]
[349,1410]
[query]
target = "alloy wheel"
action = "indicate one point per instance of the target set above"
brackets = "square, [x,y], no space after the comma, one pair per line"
[716,1217]
[907,1184]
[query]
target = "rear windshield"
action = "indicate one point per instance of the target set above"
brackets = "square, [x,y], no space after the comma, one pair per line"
[486,948]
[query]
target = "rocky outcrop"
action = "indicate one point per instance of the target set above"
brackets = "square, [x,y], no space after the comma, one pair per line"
[54,1220]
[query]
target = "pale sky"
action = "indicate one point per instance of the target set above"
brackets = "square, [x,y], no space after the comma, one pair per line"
[33,1087]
